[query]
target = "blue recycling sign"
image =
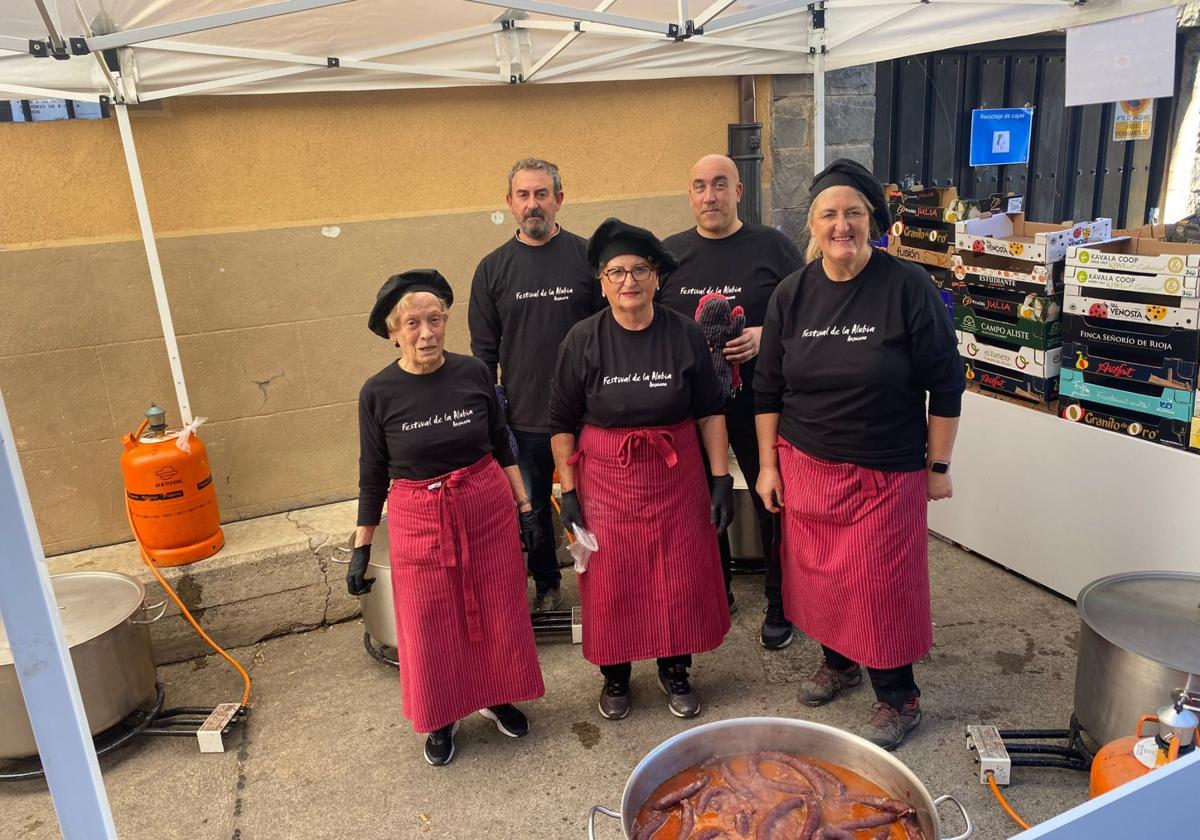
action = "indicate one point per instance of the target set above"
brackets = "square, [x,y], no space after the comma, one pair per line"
[1000,136]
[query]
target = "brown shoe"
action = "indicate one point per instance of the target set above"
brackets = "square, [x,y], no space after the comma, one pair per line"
[826,682]
[888,725]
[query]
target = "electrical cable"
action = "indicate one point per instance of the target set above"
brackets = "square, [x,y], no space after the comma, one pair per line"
[991,777]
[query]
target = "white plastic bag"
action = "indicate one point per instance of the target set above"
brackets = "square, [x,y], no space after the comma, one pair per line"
[585,543]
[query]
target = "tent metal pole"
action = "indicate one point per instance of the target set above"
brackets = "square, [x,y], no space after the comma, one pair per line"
[565,42]
[818,112]
[201,24]
[571,13]
[25,92]
[816,43]
[156,275]
[14,44]
[43,661]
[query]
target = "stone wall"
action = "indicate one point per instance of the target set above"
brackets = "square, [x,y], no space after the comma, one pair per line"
[849,132]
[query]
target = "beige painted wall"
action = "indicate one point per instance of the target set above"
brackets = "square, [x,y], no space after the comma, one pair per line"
[270,307]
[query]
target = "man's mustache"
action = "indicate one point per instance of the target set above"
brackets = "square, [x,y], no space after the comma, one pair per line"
[535,214]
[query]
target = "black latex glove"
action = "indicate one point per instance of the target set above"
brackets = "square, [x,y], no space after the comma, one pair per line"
[570,513]
[721,512]
[356,581]
[531,532]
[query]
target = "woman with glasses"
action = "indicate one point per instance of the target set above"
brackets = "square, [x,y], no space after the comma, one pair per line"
[633,399]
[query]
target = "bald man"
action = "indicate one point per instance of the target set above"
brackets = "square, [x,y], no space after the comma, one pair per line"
[744,262]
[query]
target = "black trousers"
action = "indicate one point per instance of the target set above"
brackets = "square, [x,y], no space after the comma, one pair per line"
[894,686]
[621,672]
[537,468]
[744,442]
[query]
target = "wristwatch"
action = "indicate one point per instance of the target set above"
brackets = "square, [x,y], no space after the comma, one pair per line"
[939,466]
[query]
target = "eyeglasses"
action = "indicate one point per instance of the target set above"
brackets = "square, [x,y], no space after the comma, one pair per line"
[617,274]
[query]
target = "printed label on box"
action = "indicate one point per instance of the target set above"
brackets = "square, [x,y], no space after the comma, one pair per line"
[1041,336]
[1171,373]
[1172,403]
[1163,342]
[1153,429]
[1011,249]
[1026,360]
[1040,279]
[1091,258]
[1023,386]
[1180,285]
[1030,307]
[918,255]
[1119,310]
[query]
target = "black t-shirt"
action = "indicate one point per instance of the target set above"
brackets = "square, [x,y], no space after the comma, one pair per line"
[524,298]
[847,365]
[420,426]
[609,376]
[745,266]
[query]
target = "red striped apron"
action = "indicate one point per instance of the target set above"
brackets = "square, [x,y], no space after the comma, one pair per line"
[458,584]
[855,558]
[654,587]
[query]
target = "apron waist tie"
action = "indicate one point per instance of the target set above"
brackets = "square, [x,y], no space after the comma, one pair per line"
[662,441]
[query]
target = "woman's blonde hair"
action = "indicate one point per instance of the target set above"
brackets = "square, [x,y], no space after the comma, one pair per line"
[813,251]
[393,318]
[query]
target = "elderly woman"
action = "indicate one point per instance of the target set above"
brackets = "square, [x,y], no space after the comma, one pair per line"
[631,385]
[429,425]
[852,345]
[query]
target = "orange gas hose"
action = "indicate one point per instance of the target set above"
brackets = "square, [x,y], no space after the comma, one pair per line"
[1004,802]
[149,561]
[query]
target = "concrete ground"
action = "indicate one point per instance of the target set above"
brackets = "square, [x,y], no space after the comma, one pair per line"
[326,753]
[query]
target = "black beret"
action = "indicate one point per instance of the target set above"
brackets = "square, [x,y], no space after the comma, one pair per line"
[615,238]
[844,172]
[397,286]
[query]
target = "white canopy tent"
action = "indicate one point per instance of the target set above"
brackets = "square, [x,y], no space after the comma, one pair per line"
[129,51]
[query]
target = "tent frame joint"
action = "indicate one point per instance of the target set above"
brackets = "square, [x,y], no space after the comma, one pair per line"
[79,46]
[332,62]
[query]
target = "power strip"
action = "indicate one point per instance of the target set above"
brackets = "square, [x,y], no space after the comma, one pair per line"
[209,733]
[990,753]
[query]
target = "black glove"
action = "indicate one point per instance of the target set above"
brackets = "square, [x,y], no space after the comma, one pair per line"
[356,581]
[721,512]
[531,531]
[570,512]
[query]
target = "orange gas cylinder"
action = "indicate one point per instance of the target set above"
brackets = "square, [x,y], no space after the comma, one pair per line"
[169,490]
[1126,759]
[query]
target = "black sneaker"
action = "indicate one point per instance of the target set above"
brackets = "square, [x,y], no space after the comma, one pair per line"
[777,631]
[614,699]
[439,746]
[682,700]
[508,719]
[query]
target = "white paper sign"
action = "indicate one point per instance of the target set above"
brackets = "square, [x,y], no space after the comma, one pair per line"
[1126,58]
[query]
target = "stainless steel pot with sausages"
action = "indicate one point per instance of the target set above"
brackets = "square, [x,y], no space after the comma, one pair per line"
[775,778]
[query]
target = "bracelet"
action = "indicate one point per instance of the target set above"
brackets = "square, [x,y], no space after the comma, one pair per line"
[523,502]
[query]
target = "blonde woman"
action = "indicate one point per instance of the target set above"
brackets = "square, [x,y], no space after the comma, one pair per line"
[854,345]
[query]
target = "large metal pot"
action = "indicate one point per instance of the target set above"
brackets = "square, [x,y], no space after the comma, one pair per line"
[1139,639]
[741,735]
[102,616]
[378,613]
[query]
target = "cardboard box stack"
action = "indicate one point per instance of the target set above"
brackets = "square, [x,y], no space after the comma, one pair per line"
[1131,338]
[1008,297]
[923,230]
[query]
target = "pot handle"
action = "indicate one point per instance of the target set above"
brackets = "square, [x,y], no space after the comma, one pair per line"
[161,606]
[966,817]
[598,809]
[338,560]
